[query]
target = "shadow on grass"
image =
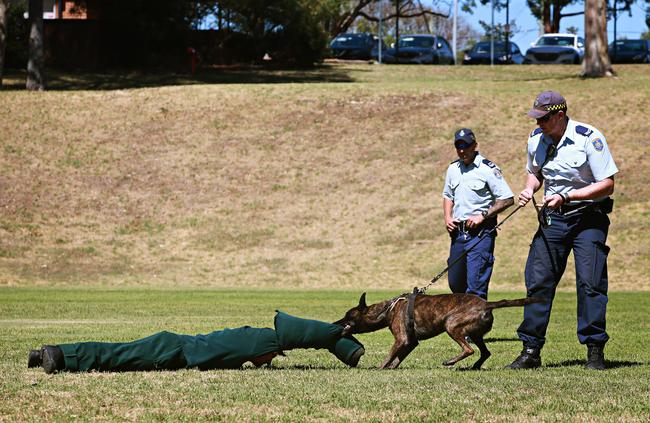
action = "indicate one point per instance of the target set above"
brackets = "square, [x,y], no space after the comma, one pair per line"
[491,340]
[608,364]
[117,80]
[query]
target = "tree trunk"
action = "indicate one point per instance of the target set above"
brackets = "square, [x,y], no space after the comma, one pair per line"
[35,76]
[596,62]
[3,36]
[546,16]
[555,23]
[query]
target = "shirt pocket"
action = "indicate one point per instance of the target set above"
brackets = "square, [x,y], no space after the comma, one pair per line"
[478,189]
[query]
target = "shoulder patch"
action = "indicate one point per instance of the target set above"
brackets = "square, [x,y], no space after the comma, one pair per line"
[598,144]
[535,132]
[489,163]
[497,173]
[583,130]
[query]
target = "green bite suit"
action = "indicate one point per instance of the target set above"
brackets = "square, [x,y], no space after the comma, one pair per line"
[224,349]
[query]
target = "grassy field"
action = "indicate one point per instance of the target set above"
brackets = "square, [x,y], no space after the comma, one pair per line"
[329,178]
[311,385]
[131,204]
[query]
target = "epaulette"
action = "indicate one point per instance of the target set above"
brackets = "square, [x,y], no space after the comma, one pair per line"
[489,163]
[455,161]
[582,130]
[535,132]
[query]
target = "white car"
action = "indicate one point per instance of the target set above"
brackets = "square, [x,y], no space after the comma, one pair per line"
[556,49]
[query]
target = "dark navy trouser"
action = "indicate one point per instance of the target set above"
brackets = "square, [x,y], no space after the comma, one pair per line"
[585,233]
[471,274]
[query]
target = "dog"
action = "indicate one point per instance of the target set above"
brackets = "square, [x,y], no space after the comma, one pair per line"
[460,315]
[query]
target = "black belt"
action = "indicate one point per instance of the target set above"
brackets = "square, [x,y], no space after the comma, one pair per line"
[604,206]
[463,229]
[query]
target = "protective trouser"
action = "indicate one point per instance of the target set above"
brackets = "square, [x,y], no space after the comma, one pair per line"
[585,233]
[161,351]
[472,273]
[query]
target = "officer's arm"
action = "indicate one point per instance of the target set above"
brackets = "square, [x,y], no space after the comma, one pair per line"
[596,190]
[499,206]
[533,183]
[447,207]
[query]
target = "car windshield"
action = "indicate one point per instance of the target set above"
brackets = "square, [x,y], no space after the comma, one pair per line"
[631,45]
[348,40]
[484,48]
[423,42]
[555,41]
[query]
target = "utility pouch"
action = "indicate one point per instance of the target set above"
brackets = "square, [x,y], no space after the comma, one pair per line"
[606,206]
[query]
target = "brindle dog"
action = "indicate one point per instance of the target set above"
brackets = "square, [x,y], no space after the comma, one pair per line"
[459,315]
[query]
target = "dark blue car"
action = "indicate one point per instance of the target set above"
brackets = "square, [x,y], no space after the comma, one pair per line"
[353,46]
[420,49]
[480,54]
[629,51]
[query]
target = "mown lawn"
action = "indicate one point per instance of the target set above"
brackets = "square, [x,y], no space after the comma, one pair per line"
[310,385]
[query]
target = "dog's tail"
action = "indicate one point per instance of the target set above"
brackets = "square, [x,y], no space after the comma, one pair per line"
[520,302]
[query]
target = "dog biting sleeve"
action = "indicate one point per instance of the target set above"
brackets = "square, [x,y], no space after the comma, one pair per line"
[294,332]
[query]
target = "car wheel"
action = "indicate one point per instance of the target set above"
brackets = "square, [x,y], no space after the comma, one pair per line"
[576,60]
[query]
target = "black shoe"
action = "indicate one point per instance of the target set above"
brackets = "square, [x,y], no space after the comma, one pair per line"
[595,357]
[528,359]
[35,359]
[354,360]
[53,360]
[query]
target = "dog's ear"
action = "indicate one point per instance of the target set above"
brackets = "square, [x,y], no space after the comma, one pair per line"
[362,302]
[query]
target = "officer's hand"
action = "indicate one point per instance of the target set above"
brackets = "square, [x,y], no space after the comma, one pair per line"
[451,224]
[525,196]
[553,201]
[474,221]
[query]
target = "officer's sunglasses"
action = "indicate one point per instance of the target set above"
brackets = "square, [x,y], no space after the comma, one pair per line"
[546,117]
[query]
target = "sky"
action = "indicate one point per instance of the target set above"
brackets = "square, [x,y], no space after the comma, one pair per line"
[628,27]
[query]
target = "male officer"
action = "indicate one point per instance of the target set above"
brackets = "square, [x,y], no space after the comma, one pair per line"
[574,162]
[475,192]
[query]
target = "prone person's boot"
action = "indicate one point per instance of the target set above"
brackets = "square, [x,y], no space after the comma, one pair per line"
[528,359]
[52,359]
[35,359]
[595,357]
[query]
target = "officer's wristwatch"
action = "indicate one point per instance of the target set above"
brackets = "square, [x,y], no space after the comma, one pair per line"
[484,213]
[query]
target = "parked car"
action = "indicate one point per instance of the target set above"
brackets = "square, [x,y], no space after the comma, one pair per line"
[353,46]
[480,54]
[420,49]
[629,51]
[556,49]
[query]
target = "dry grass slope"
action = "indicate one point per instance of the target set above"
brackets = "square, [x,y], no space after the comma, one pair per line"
[307,184]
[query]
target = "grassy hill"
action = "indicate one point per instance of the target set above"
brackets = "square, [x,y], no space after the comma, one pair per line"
[329,178]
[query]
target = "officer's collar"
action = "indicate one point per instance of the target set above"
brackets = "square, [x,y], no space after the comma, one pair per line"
[565,140]
[476,162]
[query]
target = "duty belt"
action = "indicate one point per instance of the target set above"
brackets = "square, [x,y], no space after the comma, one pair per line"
[604,206]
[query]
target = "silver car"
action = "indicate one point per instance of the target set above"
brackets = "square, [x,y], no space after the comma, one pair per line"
[556,49]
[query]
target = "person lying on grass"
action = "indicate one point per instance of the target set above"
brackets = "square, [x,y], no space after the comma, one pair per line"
[223,349]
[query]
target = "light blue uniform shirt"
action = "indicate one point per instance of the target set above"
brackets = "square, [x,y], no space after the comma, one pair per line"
[474,188]
[582,158]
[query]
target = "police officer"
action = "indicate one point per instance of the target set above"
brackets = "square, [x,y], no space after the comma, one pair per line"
[474,193]
[574,162]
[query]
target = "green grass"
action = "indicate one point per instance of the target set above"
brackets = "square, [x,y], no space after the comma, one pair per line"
[310,385]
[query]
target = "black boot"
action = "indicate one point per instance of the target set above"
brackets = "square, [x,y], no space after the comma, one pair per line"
[35,359]
[595,357]
[53,360]
[528,359]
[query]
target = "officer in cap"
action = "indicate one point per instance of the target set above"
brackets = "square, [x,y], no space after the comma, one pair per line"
[573,161]
[474,193]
